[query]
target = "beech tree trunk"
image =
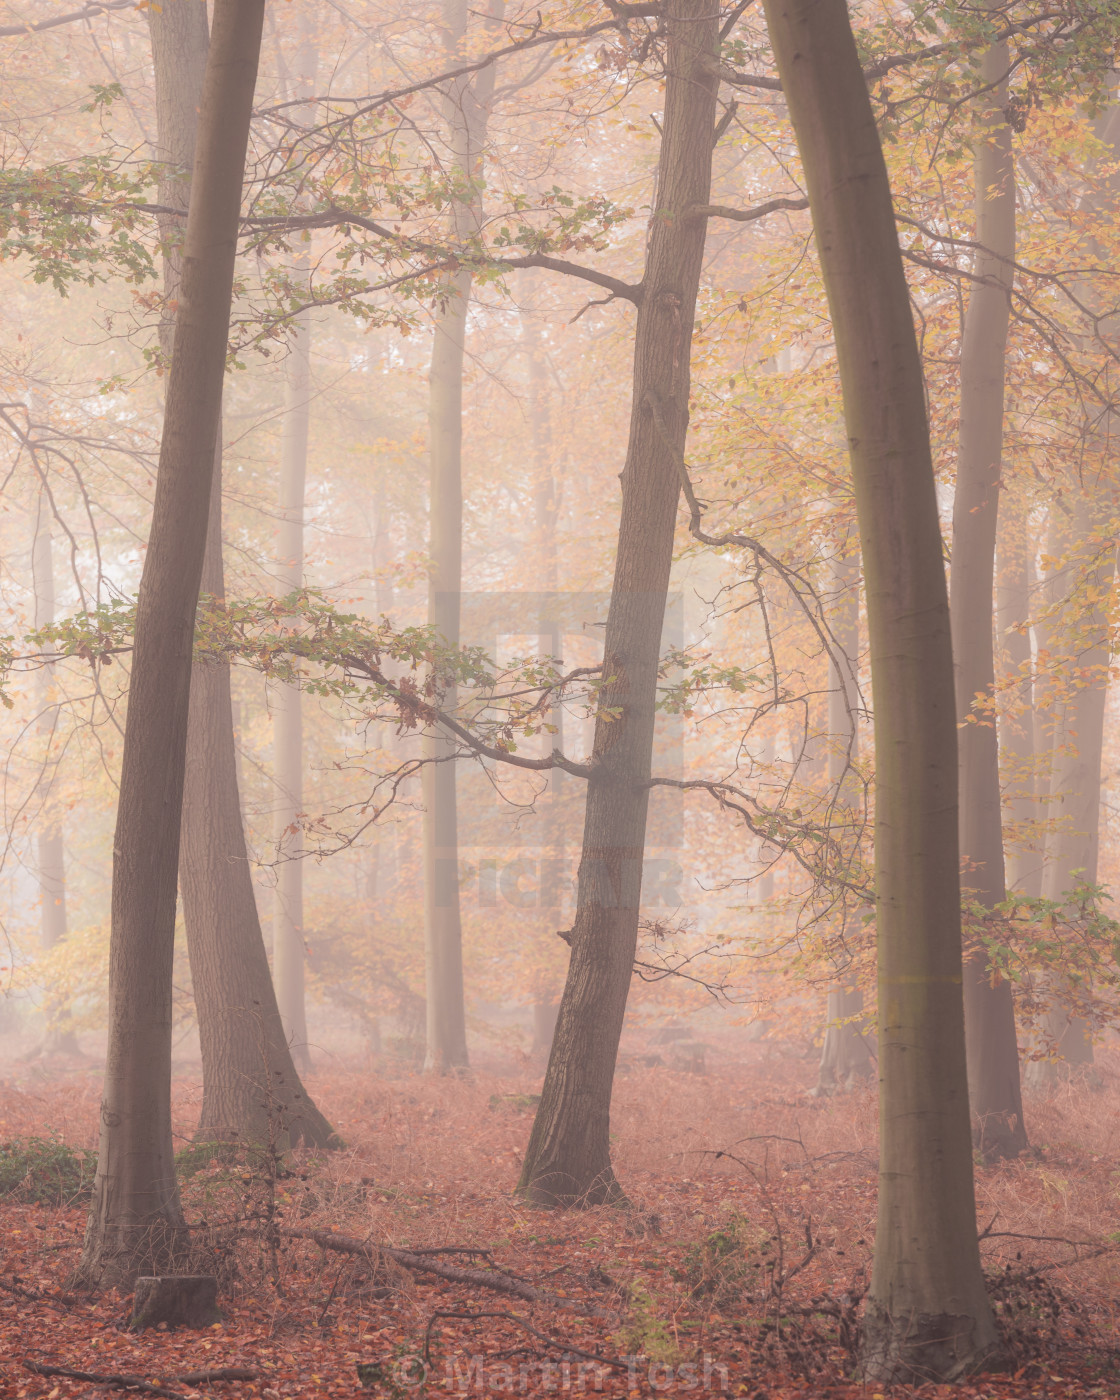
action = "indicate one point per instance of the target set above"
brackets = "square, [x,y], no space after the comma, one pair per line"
[568,1157]
[49,840]
[928,1316]
[846,1055]
[250,1088]
[287,700]
[1017,724]
[467,112]
[136,1221]
[993,1055]
[287,707]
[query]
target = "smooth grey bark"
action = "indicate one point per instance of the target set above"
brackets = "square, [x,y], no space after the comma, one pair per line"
[466,109]
[568,1156]
[928,1316]
[136,1222]
[251,1089]
[846,1054]
[993,1056]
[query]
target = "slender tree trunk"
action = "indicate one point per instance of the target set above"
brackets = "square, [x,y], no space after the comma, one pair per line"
[846,1054]
[250,1089]
[928,1315]
[287,707]
[1017,723]
[467,111]
[287,700]
[50,841]
[1073,842]
[135,1220]
[993,1055]
[568,1157]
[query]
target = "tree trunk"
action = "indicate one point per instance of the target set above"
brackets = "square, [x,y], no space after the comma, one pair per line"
[250,1088]
[467,112]
[287,700]
[1072,844]
[287,707]
[136,1221]
[846,1054]
[1017,724]
[568,1157]
[993,1055]
[928,1315]
[50,842]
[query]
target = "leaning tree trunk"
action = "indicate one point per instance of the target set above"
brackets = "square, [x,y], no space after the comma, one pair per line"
[135,1220]
[927,1315]
[467,111]
[250,1088]
[993,1055]
[50,842]
[568,1157]
[846,1054]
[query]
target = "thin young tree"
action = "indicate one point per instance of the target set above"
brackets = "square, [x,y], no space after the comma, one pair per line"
[250,1087]
[466,110]
[136,1220]
[993,1055]
[928,1313]
[568,1156]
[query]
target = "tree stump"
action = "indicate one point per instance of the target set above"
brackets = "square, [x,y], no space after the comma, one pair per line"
[179,1300]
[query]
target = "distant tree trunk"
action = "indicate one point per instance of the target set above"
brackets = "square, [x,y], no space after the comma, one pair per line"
[928,1315]
[250,1088]
[846,1055]
[287,707]
[568,1157]
[1017,731]
[467,110]
[287,700]
[136,1221]
[1073,842]
[993,1055]
[50,841]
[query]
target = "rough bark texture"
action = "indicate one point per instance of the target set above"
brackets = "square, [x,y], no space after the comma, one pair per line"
[250,1086]
[993,1055]
[568,1157]
[846,1054]
[467,113]
[135,1217]
[928,1315]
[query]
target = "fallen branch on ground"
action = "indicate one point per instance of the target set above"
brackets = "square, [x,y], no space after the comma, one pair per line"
[122,1382]
[564,1348]
[478,1278]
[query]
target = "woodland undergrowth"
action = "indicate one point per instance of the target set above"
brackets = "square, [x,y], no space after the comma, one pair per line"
[738,1267]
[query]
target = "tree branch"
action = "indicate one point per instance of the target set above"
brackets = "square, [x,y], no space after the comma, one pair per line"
[14,30]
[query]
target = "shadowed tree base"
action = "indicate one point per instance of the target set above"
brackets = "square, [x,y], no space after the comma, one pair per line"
[920,1347]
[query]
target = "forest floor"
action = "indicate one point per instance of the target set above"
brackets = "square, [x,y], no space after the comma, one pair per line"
[735,1274]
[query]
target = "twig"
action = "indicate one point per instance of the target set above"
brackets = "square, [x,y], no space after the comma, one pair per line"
[118,1382]
[565,1348]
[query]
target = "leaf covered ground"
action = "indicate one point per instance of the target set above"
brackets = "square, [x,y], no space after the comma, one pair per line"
[737,1269]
